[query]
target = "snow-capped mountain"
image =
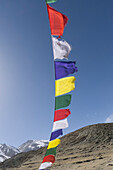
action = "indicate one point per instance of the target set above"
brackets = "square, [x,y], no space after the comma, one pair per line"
[32,145]
[7,151]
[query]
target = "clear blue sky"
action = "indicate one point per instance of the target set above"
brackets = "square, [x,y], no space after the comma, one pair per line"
[27,70]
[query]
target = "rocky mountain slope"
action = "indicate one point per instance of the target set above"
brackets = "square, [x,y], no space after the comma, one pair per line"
[32,145]
[7,152]
[88,148]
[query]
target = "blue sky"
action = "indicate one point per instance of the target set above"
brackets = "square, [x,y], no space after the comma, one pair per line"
[27,69]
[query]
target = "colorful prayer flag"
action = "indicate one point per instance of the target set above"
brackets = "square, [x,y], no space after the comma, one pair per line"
[61,114]
[57,21]
[51,151]
[53,143]
[45,165]
[56,134]
[62,101]
[62,124]
[64,85]
[50,1]
[61,49]
[49,158]
[63,69]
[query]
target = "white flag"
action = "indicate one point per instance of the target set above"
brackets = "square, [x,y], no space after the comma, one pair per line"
[45,165]
[61,124]
[61,49]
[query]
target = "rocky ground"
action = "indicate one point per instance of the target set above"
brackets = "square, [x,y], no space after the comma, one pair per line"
[89,148]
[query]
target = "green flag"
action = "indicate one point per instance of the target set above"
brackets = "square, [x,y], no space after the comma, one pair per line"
[50,1]
[51,151]
[62,101]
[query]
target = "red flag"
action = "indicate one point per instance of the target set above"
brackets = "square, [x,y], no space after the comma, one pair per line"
[57,21]
[49,158]
[61,114]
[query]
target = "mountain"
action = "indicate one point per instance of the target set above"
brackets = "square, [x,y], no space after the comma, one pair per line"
[7,152]
[89,148]
[32,145]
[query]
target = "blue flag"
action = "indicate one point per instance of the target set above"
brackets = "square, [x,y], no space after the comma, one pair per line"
[63,69]
[56,134]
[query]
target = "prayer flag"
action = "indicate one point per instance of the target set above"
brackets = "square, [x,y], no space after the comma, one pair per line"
[57,21]
[51,151]
[63,69]
[56,134]
[49,158]
[61,114]
[62,124]
[50,1]
[53,143]
[61,49]
[64,85]
[45,165]
[62,101]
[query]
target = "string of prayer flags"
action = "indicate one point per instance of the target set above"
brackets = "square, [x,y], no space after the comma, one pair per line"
[62,124]
[61,114]
[61,49]
[50,1]
[53,143]
[64,85]
[56,134]
[64,82]
[62,101]
[57,21]
[63,69]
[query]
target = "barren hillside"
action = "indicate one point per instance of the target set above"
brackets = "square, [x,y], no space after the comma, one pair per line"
[88,148]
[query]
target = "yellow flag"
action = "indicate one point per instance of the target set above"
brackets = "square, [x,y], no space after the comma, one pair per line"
[64,85]
[54,143]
